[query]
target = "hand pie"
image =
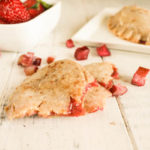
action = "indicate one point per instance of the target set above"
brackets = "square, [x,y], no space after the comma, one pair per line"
[63,88]
[131,23]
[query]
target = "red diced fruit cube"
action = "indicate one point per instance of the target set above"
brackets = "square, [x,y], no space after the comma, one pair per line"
[118,90]
[37,61]
[115,74]
[25,60]
[30,54]
[139,76]
[69,43]
[103,51]
[30,70]
[82,53]
[50,60]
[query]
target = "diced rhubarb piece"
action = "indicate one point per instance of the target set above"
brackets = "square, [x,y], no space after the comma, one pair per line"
[103,51]
[30,70]
[50,60]
[69,43]
[37,61]
[82,53]
[118,90]
[115,74]
[139,76]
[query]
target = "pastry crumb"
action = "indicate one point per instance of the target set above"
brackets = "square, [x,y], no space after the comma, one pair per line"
[112,123]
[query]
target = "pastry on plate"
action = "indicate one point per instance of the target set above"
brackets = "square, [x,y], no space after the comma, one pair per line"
[131,23]
[63,88]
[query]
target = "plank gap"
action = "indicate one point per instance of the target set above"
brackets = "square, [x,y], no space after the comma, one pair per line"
[129,131]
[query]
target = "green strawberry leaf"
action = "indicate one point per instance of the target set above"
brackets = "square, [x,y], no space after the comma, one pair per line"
[36,6]
[45,5]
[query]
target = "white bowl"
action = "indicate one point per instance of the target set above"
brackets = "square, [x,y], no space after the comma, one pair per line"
[24,36]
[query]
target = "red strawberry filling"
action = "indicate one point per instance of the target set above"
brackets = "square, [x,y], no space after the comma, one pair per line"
[82,53]
[108,85]
[139,76]
[77,109]
[118,90]
[115,74]
[69,43]
[103,51]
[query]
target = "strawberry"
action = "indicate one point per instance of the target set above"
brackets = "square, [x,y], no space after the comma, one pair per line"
[82,53]
[115,74]
[139,76]
[2,22]
[103,51]
[118,90]
[13,11]
[34,7]
[69,43]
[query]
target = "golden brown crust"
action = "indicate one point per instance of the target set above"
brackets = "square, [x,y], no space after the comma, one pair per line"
[95,98]
[101,71]
[131,23]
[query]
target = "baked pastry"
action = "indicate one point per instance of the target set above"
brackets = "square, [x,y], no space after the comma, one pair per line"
[102,72]
[57,89]
[131,23]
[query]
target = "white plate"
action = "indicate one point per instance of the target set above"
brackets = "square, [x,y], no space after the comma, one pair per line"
[24,36]
[95,32]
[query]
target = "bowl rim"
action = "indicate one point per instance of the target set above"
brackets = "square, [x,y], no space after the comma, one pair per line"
[34,19]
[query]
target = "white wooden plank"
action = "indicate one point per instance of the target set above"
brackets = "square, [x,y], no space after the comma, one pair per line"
[6,61]
[101,130]
[135,103]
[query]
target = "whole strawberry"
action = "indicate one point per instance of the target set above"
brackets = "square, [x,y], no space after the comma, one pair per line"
[2,22]
[34,7]
[13,11]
